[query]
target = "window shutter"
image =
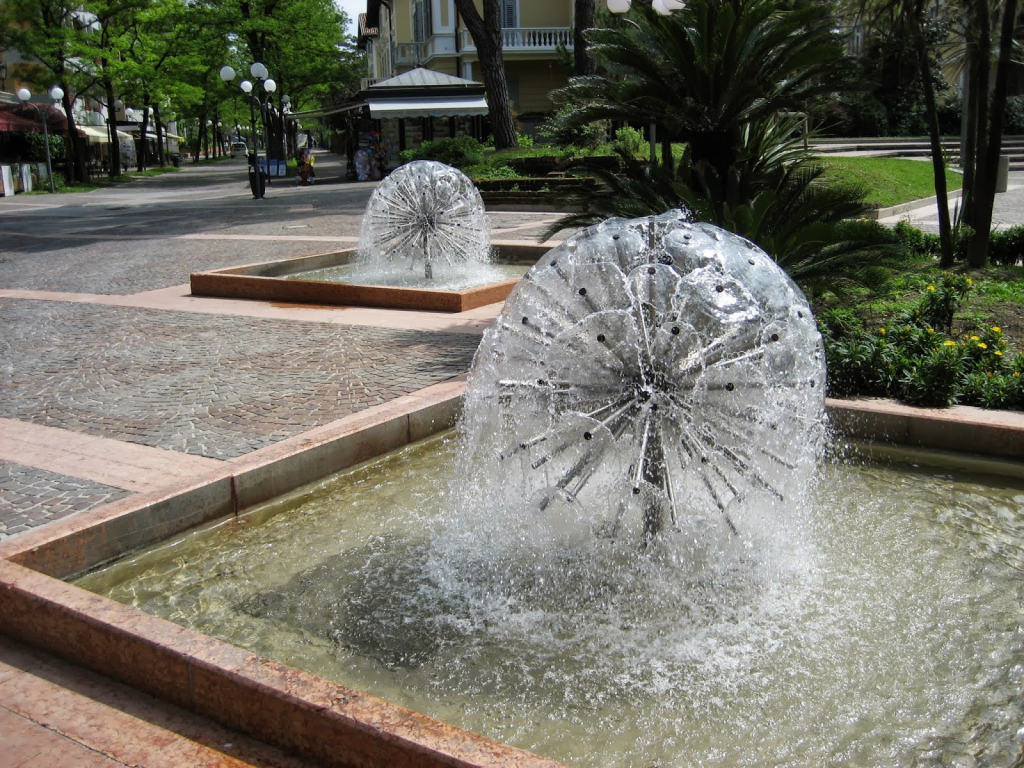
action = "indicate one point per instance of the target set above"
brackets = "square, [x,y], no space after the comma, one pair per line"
[417,23]
[508,14]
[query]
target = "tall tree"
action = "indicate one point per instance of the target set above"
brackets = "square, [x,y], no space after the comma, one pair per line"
[585,13]
[989,116]
[49,33]
[486,32]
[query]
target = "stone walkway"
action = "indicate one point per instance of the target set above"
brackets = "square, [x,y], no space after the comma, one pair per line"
[1008,210]
[103,339]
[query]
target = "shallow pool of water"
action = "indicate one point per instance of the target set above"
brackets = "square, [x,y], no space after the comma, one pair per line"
[888,632]
[398,276]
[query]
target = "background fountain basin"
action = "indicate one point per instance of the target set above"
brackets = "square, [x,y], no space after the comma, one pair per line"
[277,281]
[278,704]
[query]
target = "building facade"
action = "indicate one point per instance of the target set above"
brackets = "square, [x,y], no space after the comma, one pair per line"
[536,46]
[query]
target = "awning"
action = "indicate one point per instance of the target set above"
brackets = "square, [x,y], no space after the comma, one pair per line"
[440,106]
[174,136]
[98,135]
[12,122]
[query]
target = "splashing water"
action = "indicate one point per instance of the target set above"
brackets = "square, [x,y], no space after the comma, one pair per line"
[647,374]
[425,219]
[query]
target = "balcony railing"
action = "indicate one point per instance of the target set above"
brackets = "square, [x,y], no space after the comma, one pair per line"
[527,39]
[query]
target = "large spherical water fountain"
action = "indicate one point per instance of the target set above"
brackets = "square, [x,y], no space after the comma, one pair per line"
[648,373]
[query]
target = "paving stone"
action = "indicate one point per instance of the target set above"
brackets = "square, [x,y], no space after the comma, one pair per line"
[31,497]
[216,386]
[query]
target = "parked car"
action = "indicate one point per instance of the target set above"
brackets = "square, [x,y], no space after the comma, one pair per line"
[239,149]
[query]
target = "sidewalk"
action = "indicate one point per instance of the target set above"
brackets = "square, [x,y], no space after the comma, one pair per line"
[1008,210]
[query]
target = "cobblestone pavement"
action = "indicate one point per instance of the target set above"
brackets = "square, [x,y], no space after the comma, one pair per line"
[30,497]
[216,386]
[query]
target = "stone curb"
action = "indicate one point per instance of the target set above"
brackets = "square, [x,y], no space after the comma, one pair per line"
[913,205]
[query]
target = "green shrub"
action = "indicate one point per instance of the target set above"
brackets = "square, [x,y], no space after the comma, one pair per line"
[1014,120]
[913,357]
[460,152]
[491,172]
[915,241]
[629,141]
[558,130]
[1006,247]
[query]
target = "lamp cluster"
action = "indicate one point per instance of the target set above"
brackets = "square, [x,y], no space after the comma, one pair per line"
[56,94]
[661,7]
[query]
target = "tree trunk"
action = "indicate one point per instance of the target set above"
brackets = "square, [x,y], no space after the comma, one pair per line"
[977,254]
[161,161]
[586,18]
[979,113]
[115,145]
[486,34]
[76,153]
[934,133]
[142,137]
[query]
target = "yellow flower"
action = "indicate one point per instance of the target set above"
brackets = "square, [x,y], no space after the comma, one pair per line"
[982,345]
[969,281]
[1016,374]
[975,338]
[998,352]
[996,329]
[949,343]
[931,287]
[931,330]
[882,331]
[906,328]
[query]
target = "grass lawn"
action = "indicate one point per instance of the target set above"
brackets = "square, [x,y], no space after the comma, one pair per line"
[888,180]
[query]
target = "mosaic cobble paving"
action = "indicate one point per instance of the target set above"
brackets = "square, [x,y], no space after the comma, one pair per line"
[125,267]
[30,497]
[215,386]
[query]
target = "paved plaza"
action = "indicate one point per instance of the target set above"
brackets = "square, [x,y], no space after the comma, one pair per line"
[101,336]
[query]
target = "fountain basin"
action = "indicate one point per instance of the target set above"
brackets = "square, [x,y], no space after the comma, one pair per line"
[323,721]
[276,281]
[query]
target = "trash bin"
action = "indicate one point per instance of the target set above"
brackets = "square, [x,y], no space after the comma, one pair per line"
[176,160]
[1003,173]
[257,178]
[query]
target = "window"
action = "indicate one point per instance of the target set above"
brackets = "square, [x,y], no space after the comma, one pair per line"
[509,14]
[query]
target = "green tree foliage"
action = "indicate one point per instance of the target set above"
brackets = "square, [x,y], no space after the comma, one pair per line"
[726,78]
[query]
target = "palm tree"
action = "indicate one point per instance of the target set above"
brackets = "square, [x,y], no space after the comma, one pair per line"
[705,72]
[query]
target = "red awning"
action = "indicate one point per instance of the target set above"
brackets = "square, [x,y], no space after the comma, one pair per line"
[11,122]
[17,117]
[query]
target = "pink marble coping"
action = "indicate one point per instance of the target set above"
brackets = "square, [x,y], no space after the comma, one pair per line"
[76,543]
[961,428]
[179,298]
[275,281]
[318,719]
[116,463]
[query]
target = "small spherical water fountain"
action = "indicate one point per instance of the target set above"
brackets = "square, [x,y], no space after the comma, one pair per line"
[426,221]
[649,373]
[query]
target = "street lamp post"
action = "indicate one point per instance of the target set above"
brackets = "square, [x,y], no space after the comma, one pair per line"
[662,8]
[56,94]
[257,177]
